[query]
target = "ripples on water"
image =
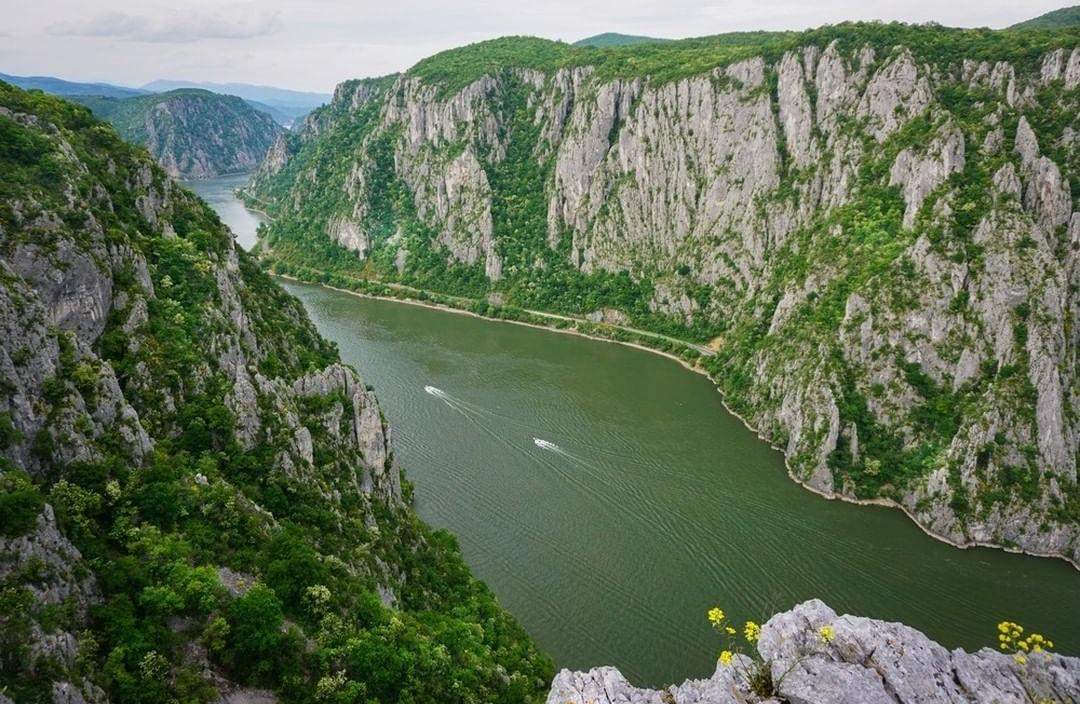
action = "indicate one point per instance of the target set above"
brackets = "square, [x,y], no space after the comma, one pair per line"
[608,498]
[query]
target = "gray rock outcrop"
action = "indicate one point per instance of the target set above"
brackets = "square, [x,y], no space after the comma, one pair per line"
[866,662]
[761,195]
[118,340]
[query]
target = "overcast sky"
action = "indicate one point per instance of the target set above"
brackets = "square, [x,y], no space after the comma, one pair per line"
[313,44]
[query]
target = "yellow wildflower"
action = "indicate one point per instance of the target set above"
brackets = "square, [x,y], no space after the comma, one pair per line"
[730,631]
[725,658]
[752,631]
[716,616]
[827,633]
[1020,659]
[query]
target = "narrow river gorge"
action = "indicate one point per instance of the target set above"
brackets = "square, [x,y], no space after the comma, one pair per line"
[644,502]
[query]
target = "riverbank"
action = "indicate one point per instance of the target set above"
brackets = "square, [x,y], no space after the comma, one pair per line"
[513,321]
[687,354]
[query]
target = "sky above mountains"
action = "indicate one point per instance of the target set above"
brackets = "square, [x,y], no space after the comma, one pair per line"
[314,44]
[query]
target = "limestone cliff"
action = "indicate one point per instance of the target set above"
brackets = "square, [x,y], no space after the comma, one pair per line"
[191,133]
[198,501]
[875,223]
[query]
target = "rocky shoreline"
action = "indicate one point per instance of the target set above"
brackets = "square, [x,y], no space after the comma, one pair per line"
[832,496]
[881,230]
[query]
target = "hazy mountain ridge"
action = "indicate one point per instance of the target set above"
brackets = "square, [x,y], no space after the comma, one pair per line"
[58,86]
[270,95]
[874,222]
[286,106]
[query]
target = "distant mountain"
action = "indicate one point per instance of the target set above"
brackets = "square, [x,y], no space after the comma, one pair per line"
[58,86]
[284,116]
[192,133]
[287,107]
[290,105]
[1065,17]
[615,39]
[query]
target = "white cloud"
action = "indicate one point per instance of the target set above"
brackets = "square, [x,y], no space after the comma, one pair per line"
[239,23]
[313,44]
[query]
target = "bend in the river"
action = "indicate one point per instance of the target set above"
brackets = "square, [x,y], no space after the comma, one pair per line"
[608,498]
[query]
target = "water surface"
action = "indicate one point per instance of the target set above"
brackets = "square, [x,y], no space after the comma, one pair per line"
[644,502]
[220,194]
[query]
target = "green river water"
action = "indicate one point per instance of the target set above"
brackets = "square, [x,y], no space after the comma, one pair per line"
[647,502]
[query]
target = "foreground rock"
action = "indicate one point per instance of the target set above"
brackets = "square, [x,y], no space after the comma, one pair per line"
[867,662]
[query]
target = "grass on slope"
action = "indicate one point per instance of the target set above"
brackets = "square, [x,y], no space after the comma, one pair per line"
[607,39]
[661,62]
[1065,17]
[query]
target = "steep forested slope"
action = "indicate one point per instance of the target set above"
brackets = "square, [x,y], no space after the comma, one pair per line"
[1057,19]
[191,133]
[615,39]
[287,106]
[198,501]
[873,225]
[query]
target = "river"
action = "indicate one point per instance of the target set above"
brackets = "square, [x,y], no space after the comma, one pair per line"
[645,502]
[220,194]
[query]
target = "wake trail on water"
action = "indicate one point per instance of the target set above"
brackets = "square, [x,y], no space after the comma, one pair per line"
[474,414]
[472,407]
[581,470]
[600,485]
[647,508]
[667,520]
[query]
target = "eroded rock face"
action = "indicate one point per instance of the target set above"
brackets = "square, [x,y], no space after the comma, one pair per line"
[918,177]
[606,684]
[349,235]
[65,577]
[195,134]
[866,662]
[107,334]
[894,246]
[63,580]
[365,430]
[277,156]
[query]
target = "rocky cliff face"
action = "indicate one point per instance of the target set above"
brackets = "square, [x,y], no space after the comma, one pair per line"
[192,133]
[179,447]
[867,661]
[876,227]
